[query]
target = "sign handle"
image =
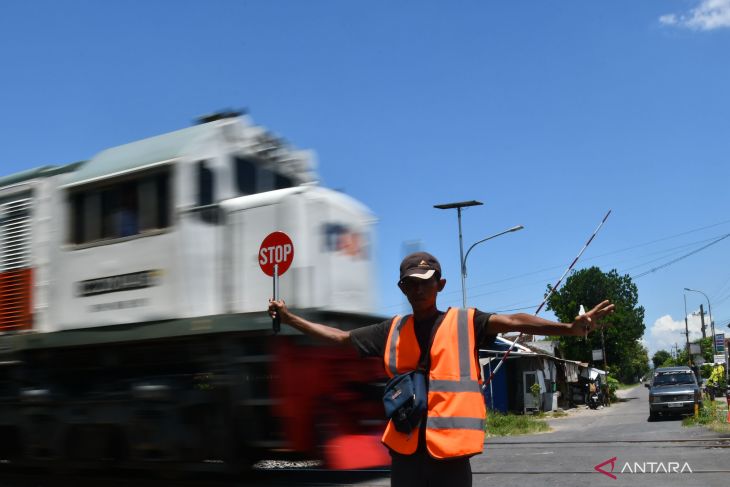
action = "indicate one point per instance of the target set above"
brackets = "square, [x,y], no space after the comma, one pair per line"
[276,321]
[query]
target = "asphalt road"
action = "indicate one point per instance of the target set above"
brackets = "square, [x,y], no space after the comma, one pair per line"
[567,455]
[668,453]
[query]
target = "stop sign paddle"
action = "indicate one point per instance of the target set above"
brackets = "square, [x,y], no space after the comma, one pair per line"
[277,250]
[275,257]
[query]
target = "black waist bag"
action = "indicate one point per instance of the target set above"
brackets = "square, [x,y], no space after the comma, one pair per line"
[405,400]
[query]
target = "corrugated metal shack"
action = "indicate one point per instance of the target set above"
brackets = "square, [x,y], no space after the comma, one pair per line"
[533,363]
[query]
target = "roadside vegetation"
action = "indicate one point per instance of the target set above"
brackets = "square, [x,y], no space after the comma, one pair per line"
[713,416]
[499,424]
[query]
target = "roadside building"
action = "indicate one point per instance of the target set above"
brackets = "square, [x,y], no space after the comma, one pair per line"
[560,381]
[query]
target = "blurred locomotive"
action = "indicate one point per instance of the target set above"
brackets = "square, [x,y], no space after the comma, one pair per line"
[132,330]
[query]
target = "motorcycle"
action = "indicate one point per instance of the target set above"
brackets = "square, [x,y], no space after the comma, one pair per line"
[593,397]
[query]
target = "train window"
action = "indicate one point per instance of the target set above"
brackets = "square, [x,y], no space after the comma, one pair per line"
[108,203]
[266,180]
[121,209]
[281,181]
[246,177]
[205,184]
[92,216]
[77,220]
[162,184]
[251,178]
[154,202]
[206,193]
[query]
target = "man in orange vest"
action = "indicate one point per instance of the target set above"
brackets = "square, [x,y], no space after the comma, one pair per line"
[453,428]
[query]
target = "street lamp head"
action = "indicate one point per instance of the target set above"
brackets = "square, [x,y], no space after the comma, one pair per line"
[458,204]
[688,289]
[515,228]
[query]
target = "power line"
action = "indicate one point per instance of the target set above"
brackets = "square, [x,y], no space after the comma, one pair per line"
[664,238]
[672,251]
[613,252]
[517,309]
[674,261]
[721,290]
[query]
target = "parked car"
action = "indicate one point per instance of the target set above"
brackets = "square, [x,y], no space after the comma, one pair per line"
[673,390]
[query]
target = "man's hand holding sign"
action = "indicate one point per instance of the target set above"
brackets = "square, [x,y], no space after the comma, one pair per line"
[275,257]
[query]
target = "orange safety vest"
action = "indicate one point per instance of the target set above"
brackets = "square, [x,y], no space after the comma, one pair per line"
[456,413]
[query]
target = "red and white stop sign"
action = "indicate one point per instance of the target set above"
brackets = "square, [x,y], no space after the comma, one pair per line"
[276,249]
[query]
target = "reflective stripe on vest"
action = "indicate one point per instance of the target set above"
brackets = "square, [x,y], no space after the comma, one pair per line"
[456,423]
[456,412]
[398,326]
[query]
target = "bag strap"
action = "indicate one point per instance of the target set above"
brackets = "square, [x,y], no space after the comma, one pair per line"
[424,362]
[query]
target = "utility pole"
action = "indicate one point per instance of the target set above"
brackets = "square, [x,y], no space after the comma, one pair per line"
[607,397]
[686,332]
[712,321]
[702,319]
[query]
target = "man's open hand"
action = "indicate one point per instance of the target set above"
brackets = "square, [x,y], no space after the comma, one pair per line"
[586,323]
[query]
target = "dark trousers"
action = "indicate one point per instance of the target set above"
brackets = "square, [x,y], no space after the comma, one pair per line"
[422,470]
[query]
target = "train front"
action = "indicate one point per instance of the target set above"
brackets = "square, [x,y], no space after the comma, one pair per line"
[145,341]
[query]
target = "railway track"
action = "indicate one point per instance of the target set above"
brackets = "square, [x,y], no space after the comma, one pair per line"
[309,474]
[721,442]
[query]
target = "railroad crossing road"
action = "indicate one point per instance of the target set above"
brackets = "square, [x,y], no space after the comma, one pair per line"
[660,453]
[567,456]
[564,457]
[586,438]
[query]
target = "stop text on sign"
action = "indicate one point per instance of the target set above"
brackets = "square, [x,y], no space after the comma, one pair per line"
[276,249]
[275,255]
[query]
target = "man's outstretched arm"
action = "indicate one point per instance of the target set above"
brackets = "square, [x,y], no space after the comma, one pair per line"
[534,325]
[325,332]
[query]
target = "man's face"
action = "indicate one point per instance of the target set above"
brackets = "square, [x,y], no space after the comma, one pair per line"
[421,293]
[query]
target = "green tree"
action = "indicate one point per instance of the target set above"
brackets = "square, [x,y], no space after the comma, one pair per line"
[660,357]
[588,287]
[683,359]
[637,364]
[674,361]
[680,359]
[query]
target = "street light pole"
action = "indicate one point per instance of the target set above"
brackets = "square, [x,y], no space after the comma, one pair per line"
[461,260]
[459,205]
[712,320]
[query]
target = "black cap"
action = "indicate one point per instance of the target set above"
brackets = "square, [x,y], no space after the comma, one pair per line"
[420,264]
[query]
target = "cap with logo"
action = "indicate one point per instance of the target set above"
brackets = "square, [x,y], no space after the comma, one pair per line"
[421,265]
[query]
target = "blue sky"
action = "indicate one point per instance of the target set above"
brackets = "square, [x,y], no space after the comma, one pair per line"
[550,113]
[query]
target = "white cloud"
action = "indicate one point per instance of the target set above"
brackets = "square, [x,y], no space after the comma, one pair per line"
[669,19]
[708,15]
[666,331]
